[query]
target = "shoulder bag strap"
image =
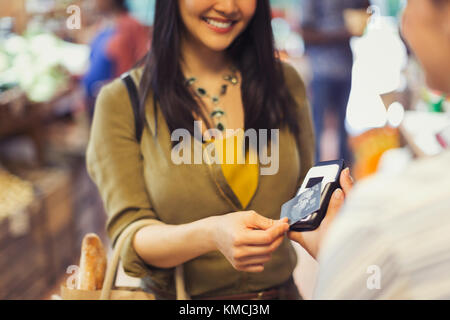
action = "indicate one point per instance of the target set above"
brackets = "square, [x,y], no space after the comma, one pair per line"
[134,98]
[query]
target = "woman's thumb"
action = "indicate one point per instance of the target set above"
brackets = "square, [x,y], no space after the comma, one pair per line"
[260,222]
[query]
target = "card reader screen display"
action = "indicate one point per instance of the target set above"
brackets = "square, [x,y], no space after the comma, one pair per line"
[313,181]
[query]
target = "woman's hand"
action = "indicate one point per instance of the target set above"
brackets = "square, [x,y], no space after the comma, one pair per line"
[248,239]
[312,240]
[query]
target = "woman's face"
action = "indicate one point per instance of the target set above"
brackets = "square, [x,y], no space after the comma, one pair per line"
[216,23]
[426,27]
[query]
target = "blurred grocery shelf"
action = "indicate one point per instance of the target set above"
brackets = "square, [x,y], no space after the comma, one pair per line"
[47,201]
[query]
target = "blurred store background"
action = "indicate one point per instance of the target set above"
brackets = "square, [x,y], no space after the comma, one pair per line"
[51,71]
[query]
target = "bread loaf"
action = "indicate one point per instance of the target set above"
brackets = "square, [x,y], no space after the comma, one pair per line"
[92,263]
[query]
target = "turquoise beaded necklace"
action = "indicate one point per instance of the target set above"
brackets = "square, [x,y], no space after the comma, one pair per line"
[218,112]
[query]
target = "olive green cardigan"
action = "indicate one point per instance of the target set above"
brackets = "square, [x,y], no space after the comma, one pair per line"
[139,181]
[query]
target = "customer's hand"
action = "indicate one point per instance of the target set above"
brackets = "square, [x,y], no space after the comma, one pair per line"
[311,241]
[248,239]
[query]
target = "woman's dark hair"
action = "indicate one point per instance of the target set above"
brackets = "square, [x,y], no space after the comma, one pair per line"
[267,102]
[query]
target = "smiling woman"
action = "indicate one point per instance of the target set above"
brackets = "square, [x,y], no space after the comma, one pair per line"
[212,29]
[214,62]
[183,35]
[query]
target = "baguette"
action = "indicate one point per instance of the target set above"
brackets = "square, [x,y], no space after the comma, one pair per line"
[92,263]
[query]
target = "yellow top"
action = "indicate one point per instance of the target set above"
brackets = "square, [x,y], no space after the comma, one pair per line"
[241,171]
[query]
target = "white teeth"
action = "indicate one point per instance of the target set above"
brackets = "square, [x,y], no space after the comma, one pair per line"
[217,24]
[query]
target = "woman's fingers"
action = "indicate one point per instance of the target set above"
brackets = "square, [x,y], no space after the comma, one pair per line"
[248,251]
[346,181]
[252,268]
[253,260]
[257,221]
[263,237]
[251,240]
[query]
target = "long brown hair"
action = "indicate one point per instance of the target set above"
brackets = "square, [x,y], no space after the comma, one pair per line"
[266,99]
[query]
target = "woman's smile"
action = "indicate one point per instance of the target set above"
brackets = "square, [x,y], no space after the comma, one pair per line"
[215,24]
[219,25]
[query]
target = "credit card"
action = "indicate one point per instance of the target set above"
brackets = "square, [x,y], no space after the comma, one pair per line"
[303,205]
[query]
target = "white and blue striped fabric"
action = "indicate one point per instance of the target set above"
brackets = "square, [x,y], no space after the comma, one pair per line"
[392,238]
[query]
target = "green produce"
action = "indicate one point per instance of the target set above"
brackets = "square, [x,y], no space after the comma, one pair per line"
[40,63]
